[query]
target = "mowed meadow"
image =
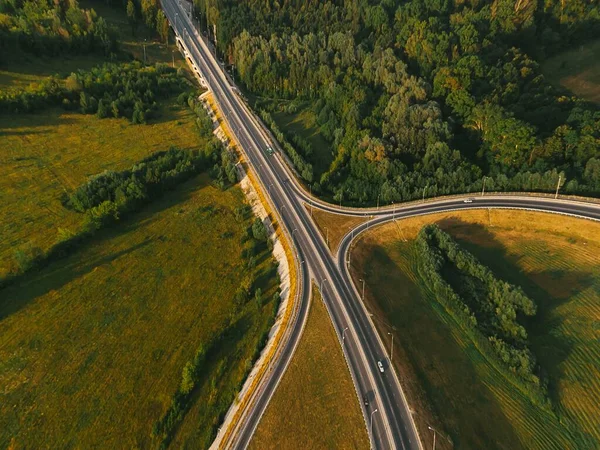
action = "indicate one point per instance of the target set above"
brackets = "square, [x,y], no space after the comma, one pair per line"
[93,346]
[451,385]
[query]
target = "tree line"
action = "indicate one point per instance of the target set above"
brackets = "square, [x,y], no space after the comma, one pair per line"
[492,309]
[51,28]
[423,96]
[129,90]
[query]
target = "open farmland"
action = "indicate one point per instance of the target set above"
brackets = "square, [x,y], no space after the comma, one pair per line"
[93,346]
[315,404]
[451,385]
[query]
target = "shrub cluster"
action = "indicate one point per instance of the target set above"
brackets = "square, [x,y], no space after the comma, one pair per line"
[203,120]
[143,181]
[304,168]
[489,307]
[225,172]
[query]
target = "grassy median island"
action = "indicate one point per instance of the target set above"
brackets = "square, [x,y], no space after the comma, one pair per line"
[452,386]
[315,404]
[93,346]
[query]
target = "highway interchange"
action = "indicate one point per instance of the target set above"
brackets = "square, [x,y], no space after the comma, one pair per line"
[387,415]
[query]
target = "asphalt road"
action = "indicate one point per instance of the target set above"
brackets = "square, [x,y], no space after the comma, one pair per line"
[387,415]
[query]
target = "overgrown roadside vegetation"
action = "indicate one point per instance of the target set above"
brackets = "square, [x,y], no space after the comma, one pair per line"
[315,404]
[451,385]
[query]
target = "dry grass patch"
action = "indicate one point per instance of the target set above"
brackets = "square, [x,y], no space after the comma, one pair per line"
[334,227]
[315,404]
[92,347]
[452,387]
[44,157]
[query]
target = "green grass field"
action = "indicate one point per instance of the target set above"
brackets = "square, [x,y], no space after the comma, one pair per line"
[451,386]
[45,156]
[578,70]
[315,404]
[93,346]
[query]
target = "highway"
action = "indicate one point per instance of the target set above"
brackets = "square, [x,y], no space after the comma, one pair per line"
[387,415]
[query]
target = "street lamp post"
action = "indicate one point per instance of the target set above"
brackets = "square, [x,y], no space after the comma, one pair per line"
[483,188]
[363,289]
[378,195]
[327,235]
[321,287]
[392,349]
[344,335]
[371,425]
[434,433]
[144,51]
[424,189]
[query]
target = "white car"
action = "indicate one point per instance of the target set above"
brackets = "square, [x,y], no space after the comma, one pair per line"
[380,365]
[468,200]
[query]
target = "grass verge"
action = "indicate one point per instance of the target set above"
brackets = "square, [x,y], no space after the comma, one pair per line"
[449,383]
[314,405]
[333,227]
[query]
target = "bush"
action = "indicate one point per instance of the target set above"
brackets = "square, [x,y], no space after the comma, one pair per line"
[259,231]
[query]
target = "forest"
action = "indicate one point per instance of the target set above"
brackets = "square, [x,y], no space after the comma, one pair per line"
[493,310]
[421,97]
[51,28]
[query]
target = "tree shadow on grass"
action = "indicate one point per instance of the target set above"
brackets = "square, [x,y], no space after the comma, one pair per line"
[444,368]
[46,119]
[53,278]
[550,348]
[62,271]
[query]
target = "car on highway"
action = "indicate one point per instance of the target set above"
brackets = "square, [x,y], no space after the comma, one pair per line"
[270,150]
[468,200]
[380,365]
[366,400]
